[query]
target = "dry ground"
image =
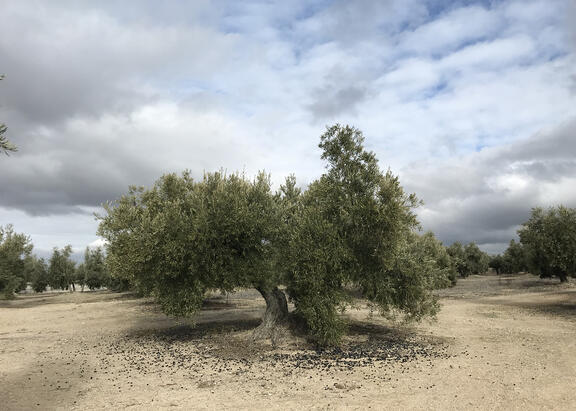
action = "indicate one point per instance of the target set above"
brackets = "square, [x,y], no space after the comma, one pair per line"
[504,342]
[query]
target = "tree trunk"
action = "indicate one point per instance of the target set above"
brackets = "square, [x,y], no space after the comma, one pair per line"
[275,316]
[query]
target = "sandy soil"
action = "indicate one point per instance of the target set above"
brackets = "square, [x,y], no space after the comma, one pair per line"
[499,343]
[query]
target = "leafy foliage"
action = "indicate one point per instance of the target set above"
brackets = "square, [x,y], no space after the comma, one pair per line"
[514,259]
[496,263]
[14,248]
[468,259]
[439,265]
[353,227]
[38,273]
[61,271]
[93,272]
[5,145]
[549,240]
[182,237]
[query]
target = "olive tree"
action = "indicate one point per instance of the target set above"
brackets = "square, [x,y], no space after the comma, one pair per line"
[428,249]
[62,269]
[514,259]
[183,238]
[37,273]
[92,272]
[469,259]
[352,228]
[14,249]
[355,229]
[549,240]
[496,263]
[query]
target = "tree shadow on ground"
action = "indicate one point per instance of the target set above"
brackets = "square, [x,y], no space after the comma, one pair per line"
[376,331]
[192,332]
[496,285]
[66,297]
[557,303]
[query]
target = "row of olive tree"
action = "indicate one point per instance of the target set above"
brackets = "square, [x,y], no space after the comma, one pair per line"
[19,267]
[352,229]
[61,272]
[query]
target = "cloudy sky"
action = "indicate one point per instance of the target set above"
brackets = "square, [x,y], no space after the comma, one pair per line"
[471,103]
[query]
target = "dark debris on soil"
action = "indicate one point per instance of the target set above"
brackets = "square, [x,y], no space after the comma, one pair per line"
[188,350]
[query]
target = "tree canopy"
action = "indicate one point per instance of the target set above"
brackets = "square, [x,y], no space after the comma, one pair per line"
[549,241]
[61,270]
[14,248]
[353,228]
[468,259]
[92,272]
[5,145]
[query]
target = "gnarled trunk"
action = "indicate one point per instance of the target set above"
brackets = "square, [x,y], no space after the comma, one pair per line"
[275,316]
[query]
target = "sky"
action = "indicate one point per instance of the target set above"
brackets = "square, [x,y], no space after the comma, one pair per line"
[471,103]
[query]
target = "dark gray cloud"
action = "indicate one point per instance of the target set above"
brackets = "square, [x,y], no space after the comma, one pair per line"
[64,61]
[332,100]
[484,197]
[101,95]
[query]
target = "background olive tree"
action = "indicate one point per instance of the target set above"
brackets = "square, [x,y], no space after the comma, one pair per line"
[14,249]
[62,270]
[549,241]
[92,272]
[468,259]
[37,273]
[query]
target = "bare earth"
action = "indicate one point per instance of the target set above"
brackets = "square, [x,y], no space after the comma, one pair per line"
[504,342]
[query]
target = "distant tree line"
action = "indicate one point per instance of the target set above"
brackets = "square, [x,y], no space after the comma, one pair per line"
[20,268]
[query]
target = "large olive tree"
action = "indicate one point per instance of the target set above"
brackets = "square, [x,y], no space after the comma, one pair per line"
[352,228]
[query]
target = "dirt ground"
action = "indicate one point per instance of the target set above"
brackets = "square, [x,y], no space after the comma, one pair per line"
[505,342]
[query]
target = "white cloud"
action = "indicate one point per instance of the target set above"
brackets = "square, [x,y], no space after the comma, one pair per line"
[451,31]
[100,96]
